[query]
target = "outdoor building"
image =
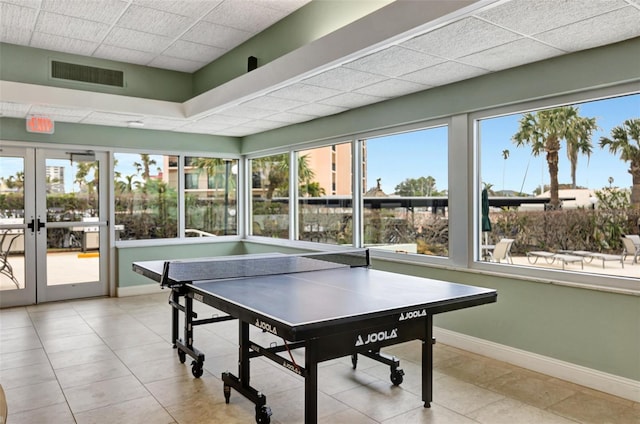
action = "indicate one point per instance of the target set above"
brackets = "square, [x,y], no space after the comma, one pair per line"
[55,179]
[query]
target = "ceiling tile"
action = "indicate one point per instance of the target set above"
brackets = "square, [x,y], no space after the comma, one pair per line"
[13,110]
[444,73]
[343,79]
[273,104]
[65,26]
[60,114]
[14,16]
[246,112]
[605,29]
[194,51]
[154,21]
[289,117]
[352,100]
[392,88]
[262,124]
[250,16]
[115,118]
[62,44]
[201,127]
[176,64]
[511,55]
[461,38]
[157,123]
[33,4]
[286,5]
[227,120]
[316,109]
[123,55]
[18,36]
[105,11]
[136,40]
[216,35]
[304,92]
[394,61]
[236,132]
[532,17]
[191,8]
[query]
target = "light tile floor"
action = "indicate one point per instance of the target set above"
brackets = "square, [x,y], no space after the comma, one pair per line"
[110,361]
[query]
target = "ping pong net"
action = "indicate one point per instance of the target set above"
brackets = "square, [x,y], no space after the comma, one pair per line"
[180,272]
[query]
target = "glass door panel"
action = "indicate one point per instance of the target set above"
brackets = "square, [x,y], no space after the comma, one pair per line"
[74,231]
[17,285]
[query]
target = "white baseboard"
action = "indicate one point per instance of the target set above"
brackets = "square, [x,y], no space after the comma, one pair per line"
[597,380]
[138,290]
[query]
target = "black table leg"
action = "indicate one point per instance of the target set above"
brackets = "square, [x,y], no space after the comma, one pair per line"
[427,363]
[175,297]
[311,382]
[243,354]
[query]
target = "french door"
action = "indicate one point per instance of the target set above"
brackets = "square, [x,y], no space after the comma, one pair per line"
[53,226]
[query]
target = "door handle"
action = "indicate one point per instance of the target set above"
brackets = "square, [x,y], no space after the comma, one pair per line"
[35,225]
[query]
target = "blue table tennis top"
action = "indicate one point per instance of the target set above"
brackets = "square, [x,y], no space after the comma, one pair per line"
[344,294]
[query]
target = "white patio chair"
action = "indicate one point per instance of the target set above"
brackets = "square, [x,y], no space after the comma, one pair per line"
[630,249]
[502,251]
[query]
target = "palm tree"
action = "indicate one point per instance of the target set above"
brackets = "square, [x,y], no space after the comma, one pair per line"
[145,166]
[505,156]
[544,132]
[276,169]
[626,140]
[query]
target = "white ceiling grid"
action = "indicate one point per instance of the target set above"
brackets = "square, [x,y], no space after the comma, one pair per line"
[186,35]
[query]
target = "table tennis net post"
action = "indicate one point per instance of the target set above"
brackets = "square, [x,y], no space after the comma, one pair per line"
[176,273]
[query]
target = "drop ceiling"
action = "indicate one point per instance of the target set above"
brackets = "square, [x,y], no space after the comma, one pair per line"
[418,45]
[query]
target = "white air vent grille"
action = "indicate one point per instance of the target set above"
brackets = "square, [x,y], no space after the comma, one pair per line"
[90,74]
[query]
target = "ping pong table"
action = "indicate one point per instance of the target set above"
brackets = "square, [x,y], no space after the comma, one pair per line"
[332,304]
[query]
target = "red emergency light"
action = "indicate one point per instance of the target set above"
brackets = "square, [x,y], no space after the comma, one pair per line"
[40,124]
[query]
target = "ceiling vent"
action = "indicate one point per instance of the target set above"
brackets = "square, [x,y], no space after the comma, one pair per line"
[90,74]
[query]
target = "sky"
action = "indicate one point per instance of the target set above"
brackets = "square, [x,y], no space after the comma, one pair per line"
[387,158]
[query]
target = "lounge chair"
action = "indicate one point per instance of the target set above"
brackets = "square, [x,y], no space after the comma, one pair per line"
[550,257]
[630,249]
[604,257]
[502,251]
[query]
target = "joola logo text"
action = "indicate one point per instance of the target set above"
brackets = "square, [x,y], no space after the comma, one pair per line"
[412,314]
[377,337]
[266,326]
[291,367]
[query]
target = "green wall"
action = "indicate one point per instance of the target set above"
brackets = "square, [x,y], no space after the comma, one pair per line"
[114,137]
[594,329]
[32,66]
[126,256]
[308,23]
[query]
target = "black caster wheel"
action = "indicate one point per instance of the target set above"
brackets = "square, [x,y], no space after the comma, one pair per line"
[227,393]
[196,369]
[397,377]
[263,415]
[182,356]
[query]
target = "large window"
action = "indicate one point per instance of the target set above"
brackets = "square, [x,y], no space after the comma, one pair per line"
[325,194]
[564,184]
[146,196]
[405,192]
[270,196]
[210,196]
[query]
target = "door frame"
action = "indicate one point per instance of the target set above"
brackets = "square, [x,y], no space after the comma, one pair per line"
[36,289]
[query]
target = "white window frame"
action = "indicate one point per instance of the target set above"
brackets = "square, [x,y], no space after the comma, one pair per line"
[561,277]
